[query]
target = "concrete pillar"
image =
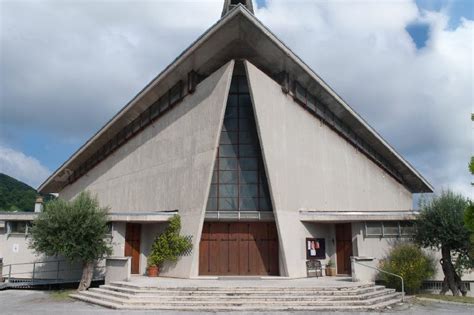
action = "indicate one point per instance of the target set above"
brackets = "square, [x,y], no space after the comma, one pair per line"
[39,204]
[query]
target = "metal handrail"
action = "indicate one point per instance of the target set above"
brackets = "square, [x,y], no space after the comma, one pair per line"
[34,273]
[36,262]
[389,273]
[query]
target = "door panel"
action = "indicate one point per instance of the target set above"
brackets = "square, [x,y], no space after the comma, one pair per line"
[132,245]
[244,248]
[240,249]
[205,244]
[273,250]
[234,234]
[343,248]
[213,250]
[222,248]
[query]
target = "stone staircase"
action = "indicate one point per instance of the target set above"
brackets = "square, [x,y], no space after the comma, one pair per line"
[125,295]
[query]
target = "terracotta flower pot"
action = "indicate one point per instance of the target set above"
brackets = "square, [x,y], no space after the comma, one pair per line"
[152,271]
[330,271]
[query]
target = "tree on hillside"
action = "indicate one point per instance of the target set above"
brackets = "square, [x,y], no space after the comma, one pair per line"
[471,165]
[75,230]
[441,226]
[16,195]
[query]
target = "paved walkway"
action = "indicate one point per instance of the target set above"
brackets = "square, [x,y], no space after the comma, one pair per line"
[248,282]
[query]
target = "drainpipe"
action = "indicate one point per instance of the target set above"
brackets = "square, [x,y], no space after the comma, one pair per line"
[39,204]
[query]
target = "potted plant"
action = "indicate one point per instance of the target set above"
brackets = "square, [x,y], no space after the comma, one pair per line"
[154,262]
[330,268]
[168,246]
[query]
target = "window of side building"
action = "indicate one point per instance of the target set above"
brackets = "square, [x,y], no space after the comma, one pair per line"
[18,227]
[388,229]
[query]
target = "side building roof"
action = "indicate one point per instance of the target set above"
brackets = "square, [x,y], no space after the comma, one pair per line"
[239,35]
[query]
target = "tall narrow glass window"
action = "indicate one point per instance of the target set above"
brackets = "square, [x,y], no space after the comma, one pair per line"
[239,181]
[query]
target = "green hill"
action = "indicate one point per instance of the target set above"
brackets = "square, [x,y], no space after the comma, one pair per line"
[16,195]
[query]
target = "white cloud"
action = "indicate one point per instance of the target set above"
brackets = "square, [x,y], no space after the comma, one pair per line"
[71,65]
[22,167]
[419,100]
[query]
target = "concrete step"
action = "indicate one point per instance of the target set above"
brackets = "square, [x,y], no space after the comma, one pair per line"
[188,291]
[177,303]
[237,296]
[376,306]
[129,285]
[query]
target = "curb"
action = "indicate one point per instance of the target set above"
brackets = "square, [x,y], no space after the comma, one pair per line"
[441,301]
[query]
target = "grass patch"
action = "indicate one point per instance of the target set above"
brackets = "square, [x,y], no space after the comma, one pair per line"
[450,298]
[61,295]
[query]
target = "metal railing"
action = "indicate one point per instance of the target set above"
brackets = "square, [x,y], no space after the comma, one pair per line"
[389,273]
[43,272]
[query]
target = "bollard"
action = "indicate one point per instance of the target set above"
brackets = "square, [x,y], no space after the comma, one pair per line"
[1,269]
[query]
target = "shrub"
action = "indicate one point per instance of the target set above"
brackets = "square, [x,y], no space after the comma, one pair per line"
[169,245]
[411,263]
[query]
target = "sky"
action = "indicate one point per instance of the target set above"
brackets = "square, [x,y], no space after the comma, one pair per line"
[66,67]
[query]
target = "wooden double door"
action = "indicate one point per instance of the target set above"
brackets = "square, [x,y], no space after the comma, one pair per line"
[243,248]
[344,248]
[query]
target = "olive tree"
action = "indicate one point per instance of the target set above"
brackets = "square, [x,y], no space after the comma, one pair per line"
[75,230]
[441,226]
[469,215]
[469,223]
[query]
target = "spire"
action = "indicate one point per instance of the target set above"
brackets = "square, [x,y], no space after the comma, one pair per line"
[231,4]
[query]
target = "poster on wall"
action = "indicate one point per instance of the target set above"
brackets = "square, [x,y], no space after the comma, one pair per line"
[315,248]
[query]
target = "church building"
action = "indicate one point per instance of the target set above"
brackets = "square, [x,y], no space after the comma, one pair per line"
[267,166]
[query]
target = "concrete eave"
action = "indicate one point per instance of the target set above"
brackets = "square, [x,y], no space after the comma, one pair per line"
[238,35]
[143,217]
[351,216]
[18,216]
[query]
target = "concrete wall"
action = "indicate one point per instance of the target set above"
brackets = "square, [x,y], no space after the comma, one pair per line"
[118,269]
[14,250]
[379,247]
[118,239]
[317,230]
[309,166]
[149,233]
[168,165]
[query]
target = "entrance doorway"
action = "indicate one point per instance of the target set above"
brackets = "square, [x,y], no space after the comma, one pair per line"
[132,245]
[244,248]
[343,248]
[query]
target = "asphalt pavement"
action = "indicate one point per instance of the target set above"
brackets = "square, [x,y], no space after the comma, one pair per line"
[42,302]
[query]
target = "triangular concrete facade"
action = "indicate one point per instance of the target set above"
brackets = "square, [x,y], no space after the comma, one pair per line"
[240,35]
[310,167]
[167,166]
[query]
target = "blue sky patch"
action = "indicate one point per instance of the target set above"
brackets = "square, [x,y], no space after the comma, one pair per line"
[455,9]
[419,32]
[261,3]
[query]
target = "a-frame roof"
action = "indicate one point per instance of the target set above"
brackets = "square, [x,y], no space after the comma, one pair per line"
[239,35]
